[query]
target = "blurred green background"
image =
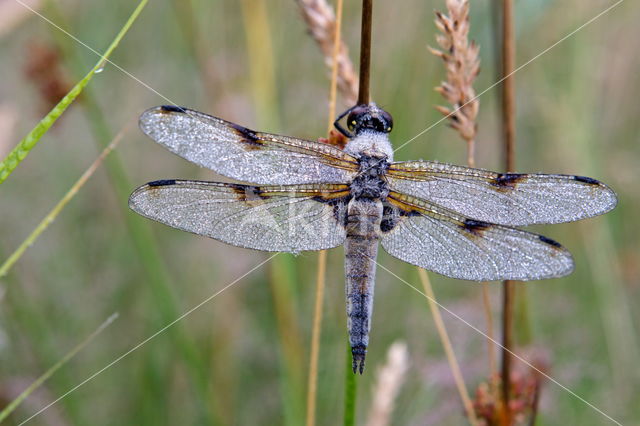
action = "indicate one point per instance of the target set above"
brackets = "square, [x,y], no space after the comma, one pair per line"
[242,358]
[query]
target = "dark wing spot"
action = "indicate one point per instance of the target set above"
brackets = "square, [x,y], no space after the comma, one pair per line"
[508,180]
[248,192]
[339,207]
[249,138]
[391,216]
[549,241]
[163,182]
[475,227]
[172,108]
[586,180]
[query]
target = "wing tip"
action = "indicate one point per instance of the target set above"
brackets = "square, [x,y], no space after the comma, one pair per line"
[608,197]
[133,201]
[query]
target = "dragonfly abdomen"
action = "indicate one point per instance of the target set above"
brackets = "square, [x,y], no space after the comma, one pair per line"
[361,249]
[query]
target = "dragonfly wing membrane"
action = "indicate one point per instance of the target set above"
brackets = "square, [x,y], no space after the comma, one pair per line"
[442,241]
[503,198]
[290,218]
[240,153]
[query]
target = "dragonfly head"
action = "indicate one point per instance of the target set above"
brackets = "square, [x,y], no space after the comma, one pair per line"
[369,117]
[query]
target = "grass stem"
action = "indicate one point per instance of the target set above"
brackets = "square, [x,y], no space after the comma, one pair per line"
[20,152]
[350,390]
[448,349]
[365,52]
[322,256]
[43,378]
[55,211]
[509,134]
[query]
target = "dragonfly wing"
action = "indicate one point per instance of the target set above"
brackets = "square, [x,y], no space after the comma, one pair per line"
[239,153]
[506,199]
[289,218]
[445,242]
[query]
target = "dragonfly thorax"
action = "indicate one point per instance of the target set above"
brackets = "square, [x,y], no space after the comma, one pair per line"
[370,143]
[370,181]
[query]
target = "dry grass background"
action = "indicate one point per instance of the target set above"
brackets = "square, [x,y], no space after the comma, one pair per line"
[577,113]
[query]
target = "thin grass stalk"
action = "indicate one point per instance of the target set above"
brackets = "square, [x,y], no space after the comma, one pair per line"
[350,390]
[24,147]
[448,348]
[315,339]
[154,267]
[55,211]
[262,68]
[47,374]
[461,59]
[509,134]
[491,349]
[34,323]
[365,52]
[139,231]
[322,256]
[321,22]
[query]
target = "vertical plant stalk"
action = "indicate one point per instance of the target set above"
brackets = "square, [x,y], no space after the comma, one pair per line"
[363,97]
[461,59]
[509,133]
[262,68]
[322,256]
[448,349]
[312,385]
[365,51]
[350,391]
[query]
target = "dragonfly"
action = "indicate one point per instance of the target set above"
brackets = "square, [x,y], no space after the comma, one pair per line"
[303,195]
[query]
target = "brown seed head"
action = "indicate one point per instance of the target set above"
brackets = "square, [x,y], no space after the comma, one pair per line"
[462,64]
[321,21]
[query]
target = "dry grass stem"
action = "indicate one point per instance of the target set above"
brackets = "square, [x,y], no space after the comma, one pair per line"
[461,59]
[463,65]
[509,135]
[312,385]
[448,349]
[389,380]
[53,214]
[322,256]
[321,20]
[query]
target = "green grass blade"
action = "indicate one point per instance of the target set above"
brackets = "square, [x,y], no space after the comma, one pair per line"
[159,281]
[51,216]
[40,380]
[23,148]
[350,391]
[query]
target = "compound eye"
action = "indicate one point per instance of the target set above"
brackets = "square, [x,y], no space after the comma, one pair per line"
[352,122]
[388,121]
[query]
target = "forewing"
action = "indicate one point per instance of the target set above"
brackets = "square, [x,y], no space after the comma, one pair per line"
[506,199]
[239,153]
[442,241]
[289,218]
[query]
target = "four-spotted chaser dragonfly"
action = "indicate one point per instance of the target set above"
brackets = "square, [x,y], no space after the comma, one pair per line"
[306,195]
